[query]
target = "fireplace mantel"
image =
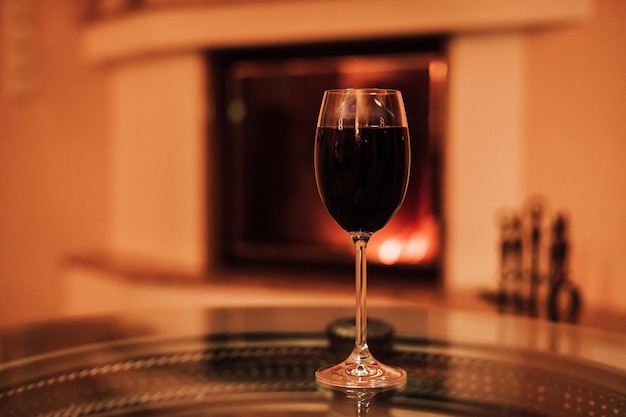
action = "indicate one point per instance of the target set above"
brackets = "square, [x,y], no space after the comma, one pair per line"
[216,24]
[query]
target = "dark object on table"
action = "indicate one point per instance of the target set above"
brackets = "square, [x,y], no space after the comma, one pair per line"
[341,333]
[558,277]
[520,275]
[511,271]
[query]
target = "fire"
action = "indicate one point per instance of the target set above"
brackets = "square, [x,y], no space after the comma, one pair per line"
[389,251]
[411,250]
[417,247]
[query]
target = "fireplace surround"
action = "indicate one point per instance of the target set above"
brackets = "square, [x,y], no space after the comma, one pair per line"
[271,215]
[163,209]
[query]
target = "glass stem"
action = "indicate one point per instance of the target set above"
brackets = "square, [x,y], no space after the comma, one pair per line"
[360,348]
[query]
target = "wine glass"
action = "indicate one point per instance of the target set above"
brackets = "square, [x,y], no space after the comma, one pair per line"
[362,163]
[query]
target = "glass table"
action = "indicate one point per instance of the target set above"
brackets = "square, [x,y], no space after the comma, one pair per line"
[261,362]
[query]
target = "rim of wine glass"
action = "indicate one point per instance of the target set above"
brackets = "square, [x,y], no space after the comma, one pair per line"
[368,90]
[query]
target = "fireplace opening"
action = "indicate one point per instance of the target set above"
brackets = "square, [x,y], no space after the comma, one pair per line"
[267,102]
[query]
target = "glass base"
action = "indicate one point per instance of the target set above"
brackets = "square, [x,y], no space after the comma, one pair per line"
[361,375]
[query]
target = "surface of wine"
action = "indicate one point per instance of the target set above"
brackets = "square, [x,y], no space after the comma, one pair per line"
[362,176]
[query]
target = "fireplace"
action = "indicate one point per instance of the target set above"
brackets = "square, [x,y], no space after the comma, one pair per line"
[271,214]
[163,207]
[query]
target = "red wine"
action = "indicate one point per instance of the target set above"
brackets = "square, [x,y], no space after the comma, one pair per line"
[362,178]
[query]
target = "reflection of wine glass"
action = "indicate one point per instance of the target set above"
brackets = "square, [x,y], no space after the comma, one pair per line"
[362,162]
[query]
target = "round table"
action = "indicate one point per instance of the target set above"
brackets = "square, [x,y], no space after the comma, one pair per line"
[261,362]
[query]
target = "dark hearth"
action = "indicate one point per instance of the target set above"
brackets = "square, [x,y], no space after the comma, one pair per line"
[268,103]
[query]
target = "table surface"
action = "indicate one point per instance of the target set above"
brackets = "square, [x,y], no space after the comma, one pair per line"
[468,327]
[194,361]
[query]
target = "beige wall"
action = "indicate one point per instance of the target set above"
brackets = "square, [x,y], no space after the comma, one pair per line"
[54,155]
[575,149]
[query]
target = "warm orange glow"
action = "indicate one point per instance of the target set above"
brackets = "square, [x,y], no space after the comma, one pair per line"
[417,247]
[407,242]
[438,71]
[412,250]
[390,251]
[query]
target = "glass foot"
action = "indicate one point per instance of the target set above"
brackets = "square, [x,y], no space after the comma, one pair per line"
[361,375]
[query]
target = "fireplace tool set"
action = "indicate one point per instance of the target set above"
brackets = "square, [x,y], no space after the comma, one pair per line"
[523,288]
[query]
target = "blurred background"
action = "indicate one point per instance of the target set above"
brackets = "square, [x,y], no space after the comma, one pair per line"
[112,114]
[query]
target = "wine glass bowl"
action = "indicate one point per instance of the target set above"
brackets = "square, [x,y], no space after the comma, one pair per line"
[362,163]
[362,157]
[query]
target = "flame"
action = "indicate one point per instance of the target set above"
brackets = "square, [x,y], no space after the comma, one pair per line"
[438,70]
[412,250]
[417,247]
[389,251]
